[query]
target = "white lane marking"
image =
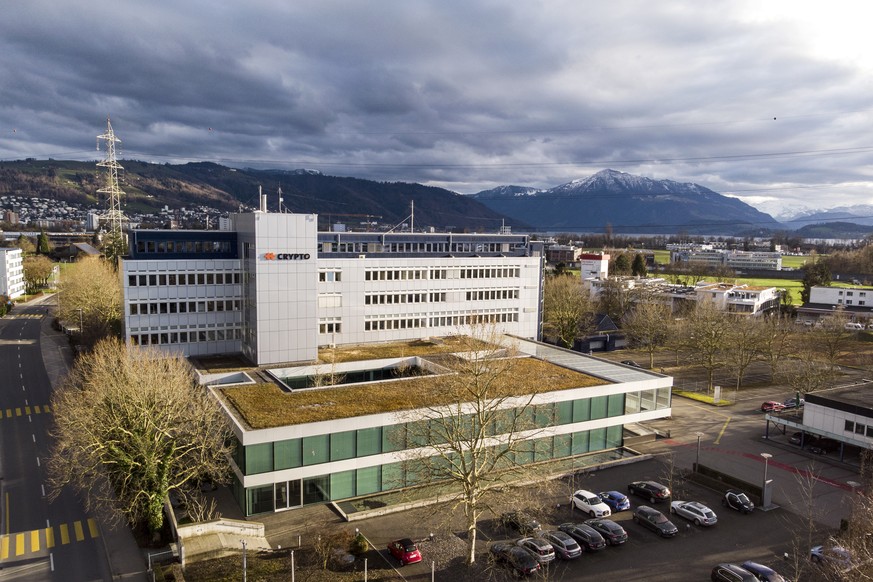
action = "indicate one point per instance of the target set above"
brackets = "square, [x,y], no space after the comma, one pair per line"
[37,462]
[34,437]
[52,561]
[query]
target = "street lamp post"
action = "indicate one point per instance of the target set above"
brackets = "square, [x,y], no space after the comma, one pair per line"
[697,461]
[765,490]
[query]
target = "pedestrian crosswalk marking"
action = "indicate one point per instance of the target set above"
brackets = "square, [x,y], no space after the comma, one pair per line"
[26,411]
[19,544]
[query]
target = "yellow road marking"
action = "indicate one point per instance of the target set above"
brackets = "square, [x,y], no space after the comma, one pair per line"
[4,547]
[34,540]
[65,534]
[92,527]
[36,409]
[723,428]
[19,544]
[80,535]
[46,408]
[49,537]
[8,413]
[17,412]
[27,410]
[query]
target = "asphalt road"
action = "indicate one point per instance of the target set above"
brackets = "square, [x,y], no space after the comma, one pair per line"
[38,540]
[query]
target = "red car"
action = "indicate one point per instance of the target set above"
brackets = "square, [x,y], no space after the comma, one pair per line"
[772,406]
[405,551]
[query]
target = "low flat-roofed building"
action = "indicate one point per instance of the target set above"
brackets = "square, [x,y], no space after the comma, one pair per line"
[856,303]
[299,446]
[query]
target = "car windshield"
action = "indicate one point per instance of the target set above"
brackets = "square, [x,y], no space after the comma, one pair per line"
[742,498]
[658,518]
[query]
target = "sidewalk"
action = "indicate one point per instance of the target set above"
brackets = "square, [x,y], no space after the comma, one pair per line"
[122,552]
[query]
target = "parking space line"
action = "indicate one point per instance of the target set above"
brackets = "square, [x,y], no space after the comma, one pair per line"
[4,547]
[721,432]
[34,540]
[65,534]
[49,537]
[92,528]
[19,544]
[80,535]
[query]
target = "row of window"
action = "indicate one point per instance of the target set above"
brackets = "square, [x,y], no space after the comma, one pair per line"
[330,276]
[287,454]
[183,246]
[858,428]
[441,321]
[145,308]
[184,337]
[395,274]
[412,247]
[391,298]
[849,302]
[221,278]
[368,480]
[491,294]
[417,274]
[851,293]
[330,327]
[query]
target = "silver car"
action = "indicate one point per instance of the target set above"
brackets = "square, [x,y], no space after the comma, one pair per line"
[694,511]
[565,546]
[540,548]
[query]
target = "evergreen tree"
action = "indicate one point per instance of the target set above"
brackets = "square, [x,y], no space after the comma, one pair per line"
[638,269]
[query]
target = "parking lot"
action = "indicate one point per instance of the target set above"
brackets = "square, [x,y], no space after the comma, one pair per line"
[764,537]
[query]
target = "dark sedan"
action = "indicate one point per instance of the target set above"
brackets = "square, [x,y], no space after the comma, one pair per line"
[655,521]
[614,534]
[587,536]
[651,490]
[518,558]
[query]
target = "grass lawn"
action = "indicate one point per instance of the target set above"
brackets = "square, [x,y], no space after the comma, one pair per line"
[793,262]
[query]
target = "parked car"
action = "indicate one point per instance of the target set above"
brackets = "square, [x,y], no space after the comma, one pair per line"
[631,363]
[835,557]
[762,572]
[521,522]
[738,501]
[616,500]
[854,326]
[655,520]
[405,551]
[539,547]
[772,406]
[614,534]
[798,437]
[731,573]
[590,503]
[793,403]
[650,490]
[564,545]
[587,537]
[694,511]
[518,558]
[816,450]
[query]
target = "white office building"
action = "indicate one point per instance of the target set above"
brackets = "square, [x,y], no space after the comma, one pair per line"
[274,289]
[11,273]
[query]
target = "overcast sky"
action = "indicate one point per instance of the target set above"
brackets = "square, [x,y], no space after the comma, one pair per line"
[770,101]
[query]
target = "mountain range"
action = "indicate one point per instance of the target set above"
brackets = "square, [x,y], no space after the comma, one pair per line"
[628,204]
[608,199]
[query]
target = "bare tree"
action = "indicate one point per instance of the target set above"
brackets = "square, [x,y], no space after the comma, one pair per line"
[709,327]
[131,425]
[776,341]
[94,288]
[615,299]
[830,338]
[477,443]
[648,327]
[567,308]
[744,340]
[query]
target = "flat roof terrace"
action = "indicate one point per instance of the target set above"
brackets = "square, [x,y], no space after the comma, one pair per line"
[266,405]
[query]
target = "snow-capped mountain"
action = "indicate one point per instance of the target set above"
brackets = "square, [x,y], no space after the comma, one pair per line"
[629,204]
[857,214]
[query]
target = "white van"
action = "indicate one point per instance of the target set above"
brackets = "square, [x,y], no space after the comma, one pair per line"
[851,326]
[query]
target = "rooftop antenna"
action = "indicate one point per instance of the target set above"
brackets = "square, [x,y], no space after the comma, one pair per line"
[113,215]
[281,200]
[412,216]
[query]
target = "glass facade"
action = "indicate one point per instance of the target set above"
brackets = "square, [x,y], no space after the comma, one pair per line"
[320,449]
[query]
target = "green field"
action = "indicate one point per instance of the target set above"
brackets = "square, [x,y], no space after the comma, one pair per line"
[794,286]
[793,262]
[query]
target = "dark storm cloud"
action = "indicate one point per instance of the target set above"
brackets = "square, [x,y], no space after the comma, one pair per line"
[465,95]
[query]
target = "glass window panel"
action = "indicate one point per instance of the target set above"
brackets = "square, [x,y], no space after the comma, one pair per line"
[342,445]
[342,485]
[393,438]
[544,415]
[543,449]
[418,433]
[580,442]
[287,454]
[524,453]
[316,489]
[632,402]
[564,412]
[392,476]
[647,400]
[260,499]
[369,441]
[259,459]
[598,407]
[368,480]
[597,439]
[613,436]
[664,397]
[615,405]
[316,449]
[563,446]
[581,410]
